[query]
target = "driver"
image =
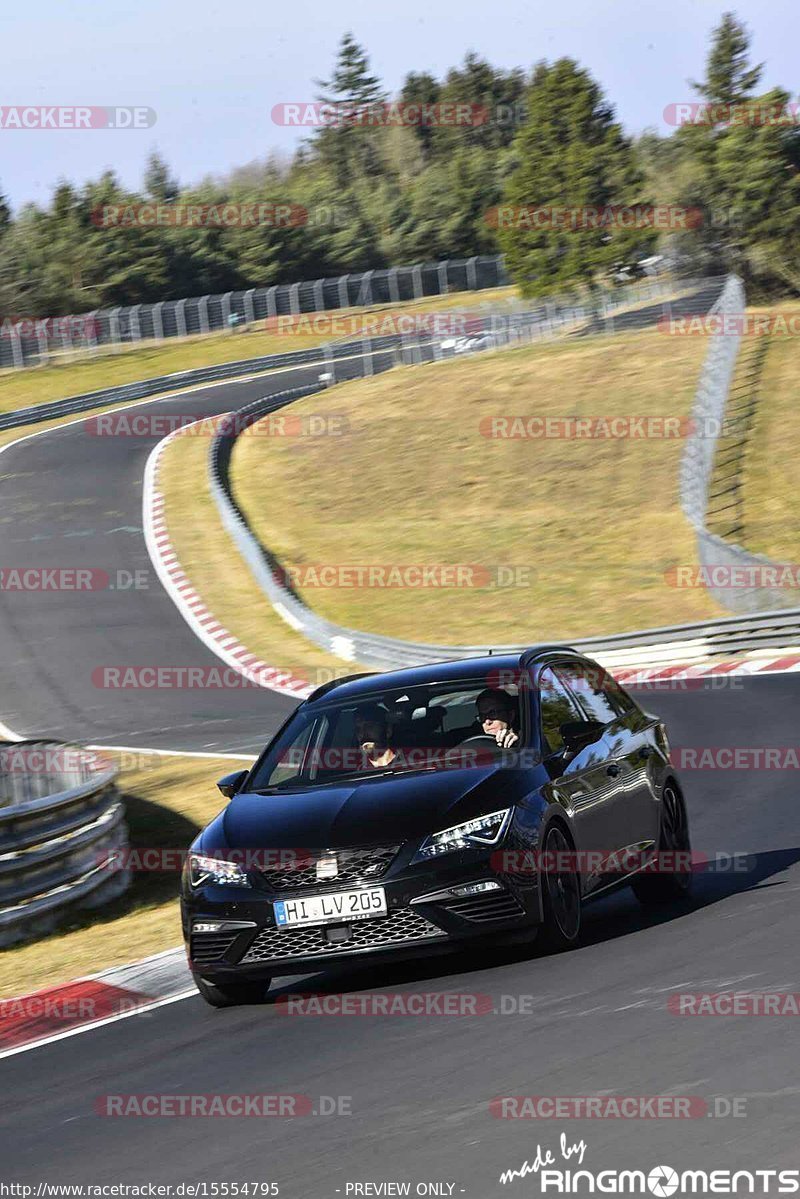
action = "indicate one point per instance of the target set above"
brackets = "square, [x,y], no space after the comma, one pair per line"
[497,713]
[372,735]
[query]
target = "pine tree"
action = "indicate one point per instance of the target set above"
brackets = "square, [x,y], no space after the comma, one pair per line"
[729,77]
[424,90]
[572,156]
[348,145]
[744,175]
[159,183]
[5,215]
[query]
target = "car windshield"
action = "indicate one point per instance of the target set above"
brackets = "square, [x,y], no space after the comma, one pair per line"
[430,727]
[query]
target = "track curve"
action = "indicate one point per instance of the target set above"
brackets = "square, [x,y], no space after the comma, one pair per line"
[592,1021]
[73,500]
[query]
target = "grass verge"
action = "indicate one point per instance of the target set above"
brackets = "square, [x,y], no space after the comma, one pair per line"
[167,801]
[771,508]
[586,529]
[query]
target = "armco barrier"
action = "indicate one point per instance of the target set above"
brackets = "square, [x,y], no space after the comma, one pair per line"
[60,819]
[555,314]
[722,557]
[690,642]
[129,392]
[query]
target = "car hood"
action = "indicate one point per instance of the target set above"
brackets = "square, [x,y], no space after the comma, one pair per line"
[360,812]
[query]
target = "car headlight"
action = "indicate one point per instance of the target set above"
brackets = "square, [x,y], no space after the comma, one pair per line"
[204,870]
[485,830]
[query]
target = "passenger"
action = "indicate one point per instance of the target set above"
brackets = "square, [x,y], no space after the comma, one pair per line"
[498,716]
[373,735]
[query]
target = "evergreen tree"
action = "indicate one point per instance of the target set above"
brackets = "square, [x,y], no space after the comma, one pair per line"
[424,90]
[496,99]
[159,183]
[348,146]
[572,156]
[5,215]
[729,76]
[743,174]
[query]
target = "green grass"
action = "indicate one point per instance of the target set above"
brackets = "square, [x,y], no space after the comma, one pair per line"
[590,527]
[770,477]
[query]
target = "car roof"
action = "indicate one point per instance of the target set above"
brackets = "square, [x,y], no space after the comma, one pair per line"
[358,686]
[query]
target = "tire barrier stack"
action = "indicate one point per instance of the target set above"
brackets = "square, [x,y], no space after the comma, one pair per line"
[62,825]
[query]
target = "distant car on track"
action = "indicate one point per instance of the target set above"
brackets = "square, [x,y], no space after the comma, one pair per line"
[469,343]
[385,819]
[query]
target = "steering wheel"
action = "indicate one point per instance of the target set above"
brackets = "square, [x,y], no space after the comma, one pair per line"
[480,749]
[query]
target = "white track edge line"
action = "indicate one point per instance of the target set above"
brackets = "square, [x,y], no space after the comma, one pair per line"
[150,494]
[74,1032]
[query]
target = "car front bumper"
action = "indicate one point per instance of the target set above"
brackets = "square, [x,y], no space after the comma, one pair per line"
[238,937]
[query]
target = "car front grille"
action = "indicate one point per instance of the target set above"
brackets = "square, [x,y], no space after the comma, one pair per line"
[210,947]
[493,905]
[398,928]
[360,865]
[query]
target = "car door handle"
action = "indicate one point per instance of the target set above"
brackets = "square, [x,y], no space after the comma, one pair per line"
[612,769]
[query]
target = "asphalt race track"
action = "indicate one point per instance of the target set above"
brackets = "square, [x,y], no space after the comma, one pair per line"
[418,1089]
[72,499]
[595,1020]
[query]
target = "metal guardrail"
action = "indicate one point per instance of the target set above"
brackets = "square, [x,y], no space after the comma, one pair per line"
[21,345]
[556,315]
[709,404]
[725,562]
[701,640]
[61,819]
[129,392]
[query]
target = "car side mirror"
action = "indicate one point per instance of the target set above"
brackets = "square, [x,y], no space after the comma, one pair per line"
[578,734]
[231,783]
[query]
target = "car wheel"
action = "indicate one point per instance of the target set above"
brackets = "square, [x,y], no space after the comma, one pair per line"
[231,994]
[652,888]
[561,893]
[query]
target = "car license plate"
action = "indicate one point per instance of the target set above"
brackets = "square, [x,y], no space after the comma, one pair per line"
[338,907]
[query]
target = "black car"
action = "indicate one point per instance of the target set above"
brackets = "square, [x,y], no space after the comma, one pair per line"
[429,809]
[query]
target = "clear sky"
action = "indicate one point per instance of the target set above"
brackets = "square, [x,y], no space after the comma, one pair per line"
[213,70]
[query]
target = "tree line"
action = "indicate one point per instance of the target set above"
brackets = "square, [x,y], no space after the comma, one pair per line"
[533,150]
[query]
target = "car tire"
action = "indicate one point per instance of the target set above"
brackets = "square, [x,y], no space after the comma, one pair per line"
[231,994]
[561,895]
[653,889]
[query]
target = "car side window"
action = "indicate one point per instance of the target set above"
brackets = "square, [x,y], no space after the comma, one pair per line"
[591,685]
[556,707]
